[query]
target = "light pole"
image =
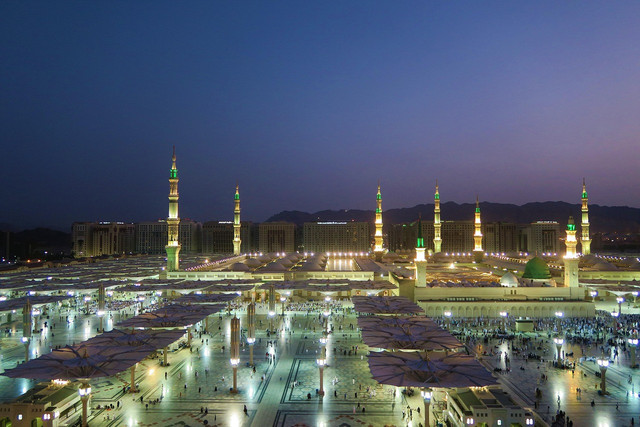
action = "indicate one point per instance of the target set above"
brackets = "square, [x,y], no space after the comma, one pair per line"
[84,391]
[282,300]
[593,294]
[272,306]
[633,344]
[251,332]
[558,342]
[235,351]
[447,315]
[322,361]
[26,328]
[426,395]
[559,316]
[620,300]
[604,364]
[101,306]
[635,296]
[504,315]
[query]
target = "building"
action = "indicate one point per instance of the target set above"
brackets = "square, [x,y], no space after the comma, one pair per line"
[91,239]
[336,236]
[151,236]
[542,237]
[277,237]
[500,237]
[47,405]
[218,237]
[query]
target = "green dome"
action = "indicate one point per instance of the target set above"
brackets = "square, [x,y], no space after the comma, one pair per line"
[536,268]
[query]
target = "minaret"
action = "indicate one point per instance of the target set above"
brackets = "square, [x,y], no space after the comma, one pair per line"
[571,256]
[437,239]
[377,249]
[420,261]
[585,239]
[173,221]
[236,223]
[477,235]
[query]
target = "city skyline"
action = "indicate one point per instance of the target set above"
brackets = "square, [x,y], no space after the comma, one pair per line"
[308,106]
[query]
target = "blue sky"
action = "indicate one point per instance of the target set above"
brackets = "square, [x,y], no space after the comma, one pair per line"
[308,104]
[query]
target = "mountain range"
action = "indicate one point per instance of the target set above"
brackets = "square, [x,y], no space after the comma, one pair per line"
[620,219]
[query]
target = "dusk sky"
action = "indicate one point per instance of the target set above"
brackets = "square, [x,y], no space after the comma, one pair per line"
[308,104]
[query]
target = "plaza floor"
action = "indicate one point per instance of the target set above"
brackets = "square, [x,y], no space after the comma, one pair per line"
[282,391]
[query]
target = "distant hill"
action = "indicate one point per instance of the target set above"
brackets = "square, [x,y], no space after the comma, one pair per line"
[33,243]
[620,219]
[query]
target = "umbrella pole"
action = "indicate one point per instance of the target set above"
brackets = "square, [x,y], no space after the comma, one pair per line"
[166,349]
[251,354]
[133,379]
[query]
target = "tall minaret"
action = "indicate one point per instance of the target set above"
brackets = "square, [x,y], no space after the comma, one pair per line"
[377,248]
[420,261]
[477,235]
[437,239]
[585,239]
[236,223]
[571,256]
[173,221]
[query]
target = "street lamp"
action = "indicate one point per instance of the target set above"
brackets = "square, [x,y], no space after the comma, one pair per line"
[426,395]
[84,391]
[504,315]
[447,315]
[635,296]
[234,365]
[633,344]
[235,351]
[604,364]
[322,361]
[558,342]
[559,316]
[251,332]
[282,300]
[593,294]
[620,300]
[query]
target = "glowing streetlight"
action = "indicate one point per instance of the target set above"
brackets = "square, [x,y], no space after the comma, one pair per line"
[635,296]
[558,342]
[559,316]
[593,294]
[235,351]
[426,395]
[84,391]
[504,315]
[604,364]
[620,300]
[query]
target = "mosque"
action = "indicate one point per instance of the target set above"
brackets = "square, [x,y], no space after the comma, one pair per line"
[461,285]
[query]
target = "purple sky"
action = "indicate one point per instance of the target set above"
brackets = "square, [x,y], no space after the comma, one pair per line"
[308,104]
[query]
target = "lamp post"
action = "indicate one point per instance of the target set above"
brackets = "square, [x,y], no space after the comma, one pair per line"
[101,306]
[282,301]
[614,316]
[559,316]
[235,351]
[84,391]
[447,315]
[633,344]
[272,306]
[426,395]
[26,328]
[504,315]
[604,364]
[251,332]
[593,294]
[620,300]
[322,361]
[558,342]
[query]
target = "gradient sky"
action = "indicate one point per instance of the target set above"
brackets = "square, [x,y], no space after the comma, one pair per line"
[308,104]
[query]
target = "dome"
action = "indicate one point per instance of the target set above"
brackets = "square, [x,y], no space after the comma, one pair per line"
[509,280]
[536,268]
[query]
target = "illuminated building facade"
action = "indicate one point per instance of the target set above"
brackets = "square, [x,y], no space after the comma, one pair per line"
[218,237]
[91,239]
[277,237]
[335,236]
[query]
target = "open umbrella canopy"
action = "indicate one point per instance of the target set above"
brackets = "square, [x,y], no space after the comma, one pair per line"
[81,361]
[228,288]
[372,285]
[385,305]
[417,369]
[18,303]
[205,298]
[172,316]
[136,338]
[406,333]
